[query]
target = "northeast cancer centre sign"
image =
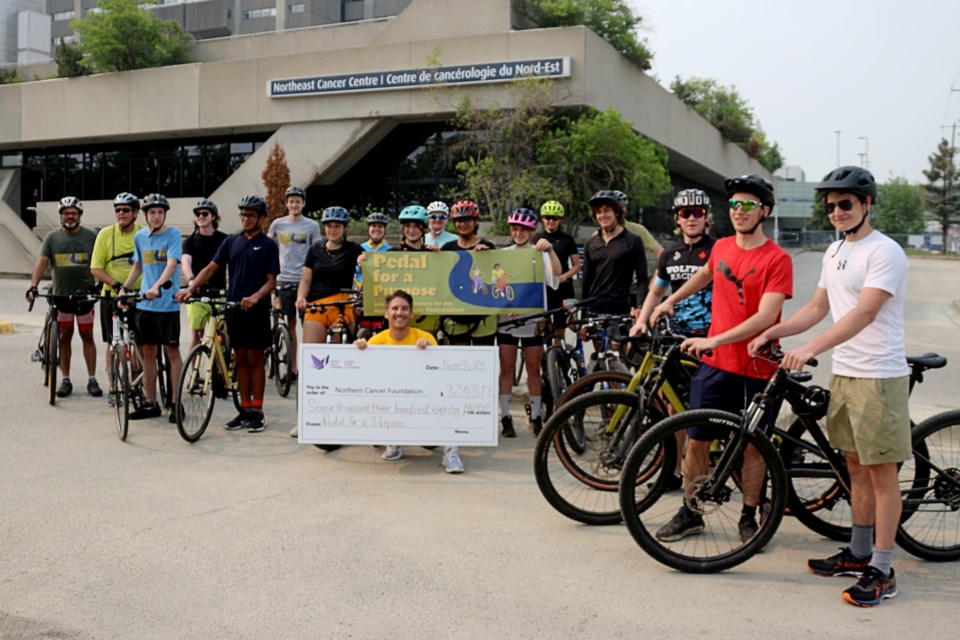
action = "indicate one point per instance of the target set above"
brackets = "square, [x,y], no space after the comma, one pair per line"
[412,78]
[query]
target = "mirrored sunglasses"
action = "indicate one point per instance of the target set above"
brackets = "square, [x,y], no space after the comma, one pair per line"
[437,216]
[746,205]
[692,212]
[845,205]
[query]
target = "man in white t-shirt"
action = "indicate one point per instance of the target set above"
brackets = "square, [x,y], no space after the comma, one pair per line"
[863,285]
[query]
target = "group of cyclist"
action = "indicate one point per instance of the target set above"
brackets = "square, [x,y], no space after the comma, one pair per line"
[725,295]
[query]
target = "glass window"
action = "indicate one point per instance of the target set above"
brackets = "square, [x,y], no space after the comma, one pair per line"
[268,12]
[241,147]
[295,8]
[63,15]
[12,160]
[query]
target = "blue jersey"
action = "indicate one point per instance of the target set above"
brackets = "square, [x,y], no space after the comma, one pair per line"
[152,251]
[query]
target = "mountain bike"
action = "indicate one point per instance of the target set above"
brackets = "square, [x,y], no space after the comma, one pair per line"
[209,372]
[930,482]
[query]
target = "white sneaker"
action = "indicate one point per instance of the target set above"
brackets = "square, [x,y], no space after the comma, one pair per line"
[451,460]
[294,433]
[393,452]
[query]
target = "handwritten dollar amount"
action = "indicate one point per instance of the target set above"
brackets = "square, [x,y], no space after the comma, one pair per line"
[466,391]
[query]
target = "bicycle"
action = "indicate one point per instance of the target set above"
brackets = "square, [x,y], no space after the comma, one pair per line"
[930,479]
[47,352]
[208,373]
[581,480]
[278,355]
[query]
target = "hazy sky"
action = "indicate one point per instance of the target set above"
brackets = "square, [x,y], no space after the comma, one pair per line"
[881,70]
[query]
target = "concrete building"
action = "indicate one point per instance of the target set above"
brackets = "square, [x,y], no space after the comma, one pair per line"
[24,31]
[355,106]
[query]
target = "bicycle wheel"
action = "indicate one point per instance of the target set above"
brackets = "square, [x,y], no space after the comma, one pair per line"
[582,484]
[195,397]
[53,360]
[646,507]
[281,360]
[509,293]
[599,381]
[559,372]
[518,373]
[815,496]
[119,379]
[42,350]
[163,378]
[930,528]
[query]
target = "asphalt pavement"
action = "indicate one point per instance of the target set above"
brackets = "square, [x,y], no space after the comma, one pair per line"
[255,536]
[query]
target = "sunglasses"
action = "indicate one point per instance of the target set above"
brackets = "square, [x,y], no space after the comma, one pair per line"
[122,210]
[746,205]
[551,218]
[845,205]
[203,214]
[249,215]
[437,216]
[692,212]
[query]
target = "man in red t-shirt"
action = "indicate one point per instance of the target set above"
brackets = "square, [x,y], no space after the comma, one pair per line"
[751,278]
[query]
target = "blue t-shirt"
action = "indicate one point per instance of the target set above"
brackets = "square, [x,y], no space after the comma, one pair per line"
[152,252]
[249,261]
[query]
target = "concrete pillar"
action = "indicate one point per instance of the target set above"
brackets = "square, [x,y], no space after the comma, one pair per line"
[281,19]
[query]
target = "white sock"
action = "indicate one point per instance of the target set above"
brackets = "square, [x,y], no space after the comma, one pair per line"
[535,404]
[504,404]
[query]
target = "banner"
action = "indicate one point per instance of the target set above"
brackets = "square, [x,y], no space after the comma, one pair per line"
[453,283]
[398,395]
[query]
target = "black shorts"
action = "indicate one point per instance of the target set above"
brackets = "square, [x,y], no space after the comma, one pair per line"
[712,388]
[160,328]
[249,328]
[287,292]
[106,318]
[66,304]
[471,341]
[506,338]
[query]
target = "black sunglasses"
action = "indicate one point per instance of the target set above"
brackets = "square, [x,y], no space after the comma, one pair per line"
[694,212]
[202,214]
[845,205]
[122,210]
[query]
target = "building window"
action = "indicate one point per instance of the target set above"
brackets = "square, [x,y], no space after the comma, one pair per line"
[269,12]
[63,15]
[14,159]
[295,8]
[92,11]
[64,40]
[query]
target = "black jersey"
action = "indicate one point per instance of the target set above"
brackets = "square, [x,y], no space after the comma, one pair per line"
[676,265]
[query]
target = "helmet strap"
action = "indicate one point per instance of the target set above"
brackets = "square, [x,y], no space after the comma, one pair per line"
[853,230]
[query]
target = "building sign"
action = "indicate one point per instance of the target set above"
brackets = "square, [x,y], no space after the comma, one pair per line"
[412,78]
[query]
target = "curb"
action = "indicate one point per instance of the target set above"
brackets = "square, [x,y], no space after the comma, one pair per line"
[6,327]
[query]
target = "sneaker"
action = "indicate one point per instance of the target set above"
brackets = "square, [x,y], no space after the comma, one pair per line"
[451,460]
[536,425]
[173,414]
[93,388]
[685,523]
[748,528]
[392,452]
[254,422]
[506,427]
[294,376]
[872,588]
[146,411]
[66,388]
[236,423]
[673,483]
[295,432]
[841,564]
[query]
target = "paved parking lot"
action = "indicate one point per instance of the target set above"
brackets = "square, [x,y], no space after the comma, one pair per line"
[254,536]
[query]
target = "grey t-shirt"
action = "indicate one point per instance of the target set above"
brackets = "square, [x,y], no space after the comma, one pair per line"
[295,240]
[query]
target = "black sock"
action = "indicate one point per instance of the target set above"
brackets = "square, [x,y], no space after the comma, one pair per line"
[748,512]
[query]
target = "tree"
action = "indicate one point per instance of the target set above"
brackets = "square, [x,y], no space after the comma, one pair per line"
[819,220]
[9,76]
[731,114]
[276,179]
[612,20]
[69,61]
[899,208]
[123,36]
[943,189]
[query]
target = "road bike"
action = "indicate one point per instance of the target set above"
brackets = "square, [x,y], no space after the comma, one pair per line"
[209,372]
[278,356]
[930,481]
[47,352]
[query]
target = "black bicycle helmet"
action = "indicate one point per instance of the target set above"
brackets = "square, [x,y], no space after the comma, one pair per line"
[754,184]
[69,202]
[208,205]
[128,199]
[255,202]
[155,200]
[377,218]
[850,180]
[607,196]
[294,191]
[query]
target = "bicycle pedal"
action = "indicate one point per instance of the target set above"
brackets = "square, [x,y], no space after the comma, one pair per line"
[528,409]
[35,356]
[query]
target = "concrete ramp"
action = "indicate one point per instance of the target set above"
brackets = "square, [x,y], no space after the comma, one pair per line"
[19,247]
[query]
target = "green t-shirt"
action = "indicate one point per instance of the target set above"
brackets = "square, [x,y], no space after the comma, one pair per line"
[70,255]
[649,242]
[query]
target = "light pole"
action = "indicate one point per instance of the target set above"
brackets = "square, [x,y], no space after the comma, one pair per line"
[865,156]
[837,131]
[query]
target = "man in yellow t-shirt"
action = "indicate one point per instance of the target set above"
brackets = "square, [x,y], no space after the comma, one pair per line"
[399,313]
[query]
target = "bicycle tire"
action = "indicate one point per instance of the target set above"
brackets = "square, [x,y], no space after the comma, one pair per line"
[597,381]
[518,372]
[163,378]
[281,360]
[509,293]
[648,506]
[931,526]
[53,360]
[119,380]
[546,393]
[195,396]
[558,370]
[44,349]
[328,447]
[582,485]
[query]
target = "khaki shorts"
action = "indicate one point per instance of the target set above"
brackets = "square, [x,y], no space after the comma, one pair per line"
[870,416]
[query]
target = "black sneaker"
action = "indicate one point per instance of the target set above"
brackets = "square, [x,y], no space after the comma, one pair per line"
[254,422]
[536,425]
[173,414]
[294,376]
[65,389]
[685,523]
[93,388]
[747,528]
[506,427]
[841,564]
[146,411]
[236,423]
[872,588]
